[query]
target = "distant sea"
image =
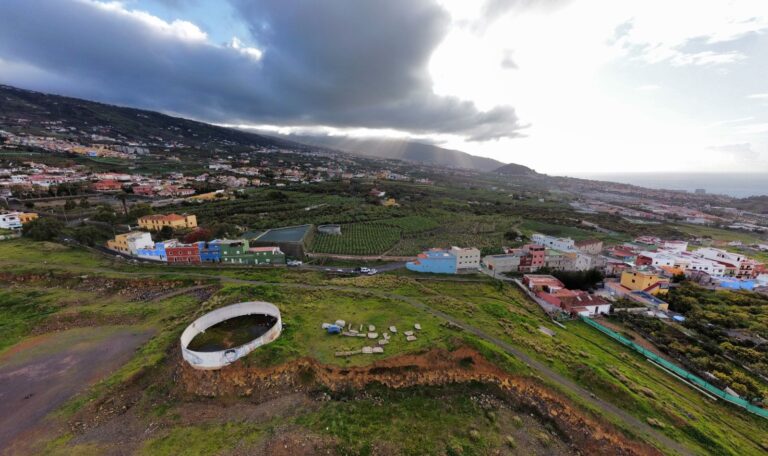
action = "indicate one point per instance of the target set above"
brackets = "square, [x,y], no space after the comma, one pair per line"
[739,185]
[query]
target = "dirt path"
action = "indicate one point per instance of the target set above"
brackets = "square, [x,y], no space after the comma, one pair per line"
[40,374]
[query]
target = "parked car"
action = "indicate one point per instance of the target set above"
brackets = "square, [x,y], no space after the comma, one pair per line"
[364,270]
[372,271]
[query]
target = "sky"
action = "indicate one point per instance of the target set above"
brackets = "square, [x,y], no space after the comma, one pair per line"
[563,86]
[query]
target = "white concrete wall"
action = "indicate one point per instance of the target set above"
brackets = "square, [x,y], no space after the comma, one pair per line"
[219,359]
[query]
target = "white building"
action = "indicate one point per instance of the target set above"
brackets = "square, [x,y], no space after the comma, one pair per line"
[139,240]
[508,262]
[10,221]
[584,262]
[566,244]
[675,246]
[468,258]
[659,259]
[740,265]
[713,268]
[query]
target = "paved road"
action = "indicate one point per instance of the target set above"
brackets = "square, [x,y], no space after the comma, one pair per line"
[379,268]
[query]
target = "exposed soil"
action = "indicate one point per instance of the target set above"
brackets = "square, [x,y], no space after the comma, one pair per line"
[436,367]
[40,374]
[131,289]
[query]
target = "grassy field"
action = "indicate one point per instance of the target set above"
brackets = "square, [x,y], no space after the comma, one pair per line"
[304,311]
[603,367]
[578,352]
[721,234]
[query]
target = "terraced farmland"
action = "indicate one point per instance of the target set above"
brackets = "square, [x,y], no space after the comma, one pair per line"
[369,238]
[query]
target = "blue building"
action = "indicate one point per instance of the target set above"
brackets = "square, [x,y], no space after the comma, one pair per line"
[435,261]
[156,252]
[731,283]
[210,252]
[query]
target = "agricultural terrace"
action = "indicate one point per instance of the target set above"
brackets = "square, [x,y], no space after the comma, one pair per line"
[371,238]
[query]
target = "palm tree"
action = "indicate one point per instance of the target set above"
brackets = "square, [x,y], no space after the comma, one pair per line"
[122,197]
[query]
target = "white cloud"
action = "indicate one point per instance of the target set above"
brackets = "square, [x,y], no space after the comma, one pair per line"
[739,152]
[753,129]
[183,30]
[730,121]
[251,52]
[580,79]
[706,58]
[662,31]
[758,96]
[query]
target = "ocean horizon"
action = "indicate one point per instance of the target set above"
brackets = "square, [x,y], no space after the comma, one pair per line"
[739,185]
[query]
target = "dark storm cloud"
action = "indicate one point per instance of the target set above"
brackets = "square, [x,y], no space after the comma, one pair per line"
[340,63]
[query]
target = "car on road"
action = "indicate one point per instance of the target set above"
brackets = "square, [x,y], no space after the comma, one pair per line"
[294,263]
[372,271]
[364,270]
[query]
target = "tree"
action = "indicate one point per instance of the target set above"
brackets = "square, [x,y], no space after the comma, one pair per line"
[200,234]
[580,280]
[84,203]
[29,204]
[91,235]
[43,229]
[164,234]
[223,230]
[122,197]
[69,205]
[105,214]
[139,210]
[276,195]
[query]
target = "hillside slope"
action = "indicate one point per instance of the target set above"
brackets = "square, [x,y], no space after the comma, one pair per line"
[26,109]
[400,149]
[514,169]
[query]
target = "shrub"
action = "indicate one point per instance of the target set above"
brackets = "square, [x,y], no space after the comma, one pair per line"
[43,229]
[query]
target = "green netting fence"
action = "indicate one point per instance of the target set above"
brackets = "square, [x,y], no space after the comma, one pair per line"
[698,381]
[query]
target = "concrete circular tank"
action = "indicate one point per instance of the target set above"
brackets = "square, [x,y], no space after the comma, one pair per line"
[217,359]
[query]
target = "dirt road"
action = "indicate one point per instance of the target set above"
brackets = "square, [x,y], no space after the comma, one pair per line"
[40,374]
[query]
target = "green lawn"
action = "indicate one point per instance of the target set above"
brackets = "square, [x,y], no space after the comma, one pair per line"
[304,311]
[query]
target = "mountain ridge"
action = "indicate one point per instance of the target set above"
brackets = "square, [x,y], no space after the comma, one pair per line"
[140,125]
[402,149]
